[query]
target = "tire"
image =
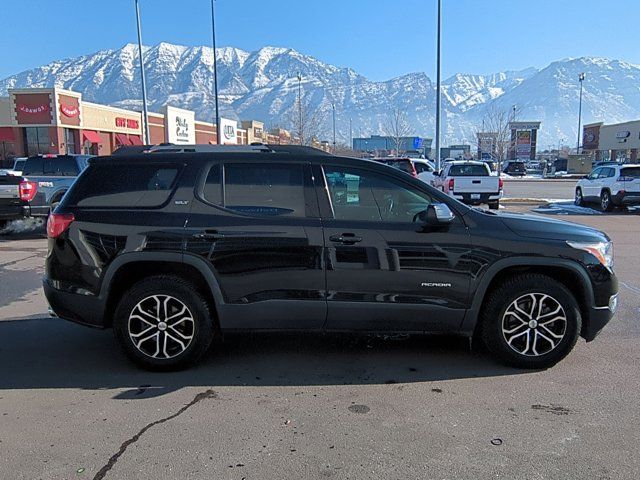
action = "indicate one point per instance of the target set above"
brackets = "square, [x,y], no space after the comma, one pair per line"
[494,205]
[578,199]
[529,348]
[163,346]
[605,201]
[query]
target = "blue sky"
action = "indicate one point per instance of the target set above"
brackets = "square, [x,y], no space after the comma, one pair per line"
[378,38]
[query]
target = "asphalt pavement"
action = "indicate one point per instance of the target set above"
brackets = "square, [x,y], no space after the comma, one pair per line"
[296,406]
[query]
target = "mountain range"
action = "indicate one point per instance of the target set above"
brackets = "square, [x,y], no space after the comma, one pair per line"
[263,85]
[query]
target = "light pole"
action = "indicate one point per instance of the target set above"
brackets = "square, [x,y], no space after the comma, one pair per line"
[333,106]
[438,89]
[215,72]
[145,115]
[300,132]
[580,79]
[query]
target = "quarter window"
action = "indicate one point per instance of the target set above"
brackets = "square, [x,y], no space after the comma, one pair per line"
[362,195]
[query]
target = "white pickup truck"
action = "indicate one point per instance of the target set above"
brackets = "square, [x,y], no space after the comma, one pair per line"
[470,182]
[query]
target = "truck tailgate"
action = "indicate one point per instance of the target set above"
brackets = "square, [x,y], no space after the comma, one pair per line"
[488,184]
[9,189]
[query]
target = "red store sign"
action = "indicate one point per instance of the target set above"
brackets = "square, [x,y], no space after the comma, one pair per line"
[33,109]
[122,122]
[69,110]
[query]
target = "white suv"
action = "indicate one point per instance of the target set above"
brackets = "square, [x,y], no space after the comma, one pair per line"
[610,185]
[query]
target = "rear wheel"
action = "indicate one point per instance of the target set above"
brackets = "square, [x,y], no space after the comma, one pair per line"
[605,201]
[494,205]
[578,199]
[530,321]
[163,323]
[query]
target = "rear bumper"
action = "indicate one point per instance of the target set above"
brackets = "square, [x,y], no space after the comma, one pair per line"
[484,197]
[14,212]
[40,211]
[84,309]
[627,198]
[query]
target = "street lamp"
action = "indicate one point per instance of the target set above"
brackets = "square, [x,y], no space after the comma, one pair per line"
[438,88]
[333,106]
[580,79]
[145,119]
[300,132]
[215,72]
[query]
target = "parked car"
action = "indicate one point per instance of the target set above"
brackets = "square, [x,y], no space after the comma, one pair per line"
[610,186]
[515,169]
[16,169]
[49,177]
[416,167]
[171,249]
[471,182]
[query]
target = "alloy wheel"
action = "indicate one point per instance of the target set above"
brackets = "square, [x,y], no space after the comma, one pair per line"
[578,197]
[161,326]
[534,324]
[605,200]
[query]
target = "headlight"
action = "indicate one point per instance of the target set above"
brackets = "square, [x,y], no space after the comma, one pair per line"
[603,251]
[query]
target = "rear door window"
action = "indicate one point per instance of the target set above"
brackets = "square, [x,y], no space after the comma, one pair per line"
[264,189]
[468,171]
[632,172]
[124,186]
[33,166]
[63,166]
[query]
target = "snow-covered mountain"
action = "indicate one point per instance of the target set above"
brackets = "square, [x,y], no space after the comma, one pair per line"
[263,85]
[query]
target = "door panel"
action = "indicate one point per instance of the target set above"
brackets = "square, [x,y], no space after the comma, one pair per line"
[397,274]
[263,248]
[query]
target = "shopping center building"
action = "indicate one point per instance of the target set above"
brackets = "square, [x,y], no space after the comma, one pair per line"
[619,141]
[52,120]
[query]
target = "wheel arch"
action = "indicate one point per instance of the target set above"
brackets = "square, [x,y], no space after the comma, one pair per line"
[130,268]
[570,274]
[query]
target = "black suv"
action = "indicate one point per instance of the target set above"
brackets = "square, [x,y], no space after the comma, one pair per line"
[173,247]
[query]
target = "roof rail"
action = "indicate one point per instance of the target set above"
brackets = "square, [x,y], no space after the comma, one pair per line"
[206,148]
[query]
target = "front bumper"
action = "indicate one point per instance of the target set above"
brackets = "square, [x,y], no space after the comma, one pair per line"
[598,318]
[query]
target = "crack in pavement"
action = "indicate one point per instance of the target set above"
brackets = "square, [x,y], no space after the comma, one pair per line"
[633,288]
[114,458]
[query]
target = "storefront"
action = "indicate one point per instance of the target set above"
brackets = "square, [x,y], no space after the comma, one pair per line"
[619,141]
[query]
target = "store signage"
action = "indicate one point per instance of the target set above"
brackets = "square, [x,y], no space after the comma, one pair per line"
[182,130]
[257,132]
[33,109]
[623,134]
[69,110]
[229,131]
[589,137]
[122,122]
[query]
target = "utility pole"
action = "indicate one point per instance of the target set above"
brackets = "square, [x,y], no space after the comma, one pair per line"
[350,135]
[145,116]
[580,79]
[333,106]
[300,132]
[438,88]
[215,72]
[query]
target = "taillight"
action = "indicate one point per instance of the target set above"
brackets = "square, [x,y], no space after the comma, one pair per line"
[451,183]
[27,190]
[58,223]
[500,183]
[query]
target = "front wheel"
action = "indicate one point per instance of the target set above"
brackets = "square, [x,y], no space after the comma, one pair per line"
[530,321]
[163,323]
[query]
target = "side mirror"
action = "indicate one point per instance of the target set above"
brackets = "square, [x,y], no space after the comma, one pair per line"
[438,214]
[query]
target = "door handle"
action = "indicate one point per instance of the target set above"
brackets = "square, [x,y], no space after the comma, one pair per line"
[208,235]
[346,238]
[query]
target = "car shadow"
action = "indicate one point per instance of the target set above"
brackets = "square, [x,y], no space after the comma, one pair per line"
[569,208]
[53,353]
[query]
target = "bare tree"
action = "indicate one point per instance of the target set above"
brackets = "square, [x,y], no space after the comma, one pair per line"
[306,121]
[397,127]
[496,122]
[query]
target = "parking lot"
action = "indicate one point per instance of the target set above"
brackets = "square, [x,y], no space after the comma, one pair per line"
[293,406]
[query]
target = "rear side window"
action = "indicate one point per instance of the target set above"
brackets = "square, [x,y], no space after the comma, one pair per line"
[422,167]
[33,166]
[468,171]
[264,189]
[61,167]
[633,172]
[124,186]
[404,165]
